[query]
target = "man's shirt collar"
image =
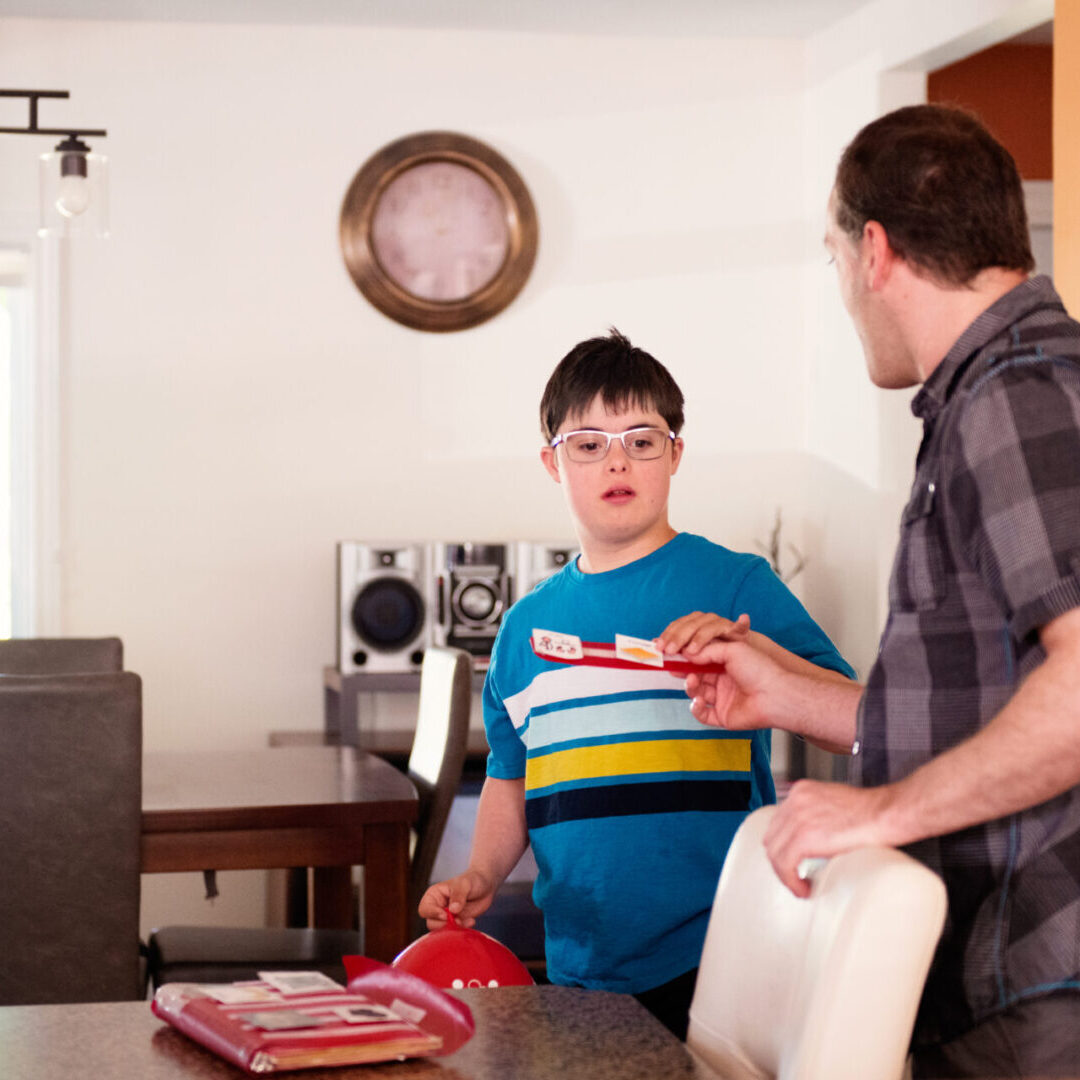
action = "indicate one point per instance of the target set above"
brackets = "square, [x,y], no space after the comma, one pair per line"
[1003,313]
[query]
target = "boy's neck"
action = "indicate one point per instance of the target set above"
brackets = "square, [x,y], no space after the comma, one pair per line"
[598,557]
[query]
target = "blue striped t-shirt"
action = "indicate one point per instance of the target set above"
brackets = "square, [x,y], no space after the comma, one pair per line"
[631,804]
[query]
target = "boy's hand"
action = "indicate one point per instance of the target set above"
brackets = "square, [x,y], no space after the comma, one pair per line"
[467,895]
[691,633]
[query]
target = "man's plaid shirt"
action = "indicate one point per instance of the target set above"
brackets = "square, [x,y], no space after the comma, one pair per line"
[989,553]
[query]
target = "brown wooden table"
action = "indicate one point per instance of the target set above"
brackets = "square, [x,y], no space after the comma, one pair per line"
[524,1032]
[393,744]
[325,807]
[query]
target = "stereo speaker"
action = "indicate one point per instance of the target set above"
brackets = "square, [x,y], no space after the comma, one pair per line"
[384,606]
[474,588]
[539,559]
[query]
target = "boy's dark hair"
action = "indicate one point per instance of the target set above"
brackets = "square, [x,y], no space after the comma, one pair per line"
[622,374]
[947,193]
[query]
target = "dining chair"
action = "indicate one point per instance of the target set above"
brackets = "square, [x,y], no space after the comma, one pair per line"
[820,989]
[436,761]
[70,819]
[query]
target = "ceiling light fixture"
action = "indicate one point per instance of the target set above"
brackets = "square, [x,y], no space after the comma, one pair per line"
[73,181]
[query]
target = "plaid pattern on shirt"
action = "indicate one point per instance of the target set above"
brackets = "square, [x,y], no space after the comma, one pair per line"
[989,552]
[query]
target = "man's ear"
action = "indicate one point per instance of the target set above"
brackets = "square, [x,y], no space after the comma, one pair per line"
[877,254]
[551,463]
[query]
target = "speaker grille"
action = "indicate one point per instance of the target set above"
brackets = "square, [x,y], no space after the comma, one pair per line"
[387,613]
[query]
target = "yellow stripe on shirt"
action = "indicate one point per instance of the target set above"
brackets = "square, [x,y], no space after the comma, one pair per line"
[629,758]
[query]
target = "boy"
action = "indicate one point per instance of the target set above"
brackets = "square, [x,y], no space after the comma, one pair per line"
[629,803]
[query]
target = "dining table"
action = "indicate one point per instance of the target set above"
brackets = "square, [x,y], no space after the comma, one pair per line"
[524,1032]
[329,808]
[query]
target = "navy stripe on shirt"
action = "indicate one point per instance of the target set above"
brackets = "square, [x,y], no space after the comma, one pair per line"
[662,797]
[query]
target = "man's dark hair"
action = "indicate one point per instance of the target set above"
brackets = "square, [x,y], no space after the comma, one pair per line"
[947,193]
[622,374]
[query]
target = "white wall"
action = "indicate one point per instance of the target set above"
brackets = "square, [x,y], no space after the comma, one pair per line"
[864,65]
[232,406]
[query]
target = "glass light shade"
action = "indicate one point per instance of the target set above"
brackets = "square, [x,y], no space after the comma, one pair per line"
[74,194]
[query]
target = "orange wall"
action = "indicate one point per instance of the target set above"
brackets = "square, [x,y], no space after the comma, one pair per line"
[1067,154]
[1011,89]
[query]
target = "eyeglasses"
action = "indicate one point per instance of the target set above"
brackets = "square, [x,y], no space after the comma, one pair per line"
[640,444]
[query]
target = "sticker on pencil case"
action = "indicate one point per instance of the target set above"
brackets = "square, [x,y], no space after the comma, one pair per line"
[231,994]
[301,982]
[284,1019]
[625,652]
[638,650]
[365,1014]
[557,646]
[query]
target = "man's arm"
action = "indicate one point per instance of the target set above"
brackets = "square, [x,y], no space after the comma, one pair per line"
[763,685]
[689,634]
[500,837]
[1029,753]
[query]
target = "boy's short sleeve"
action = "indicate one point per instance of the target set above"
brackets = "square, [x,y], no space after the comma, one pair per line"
[775,611]
[506,760]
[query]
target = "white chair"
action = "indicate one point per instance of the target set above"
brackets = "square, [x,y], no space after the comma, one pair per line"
[819,989]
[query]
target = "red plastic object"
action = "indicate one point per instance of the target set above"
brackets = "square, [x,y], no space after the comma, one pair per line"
[426,1021]
[450,1019]
[605,654]
[456,959]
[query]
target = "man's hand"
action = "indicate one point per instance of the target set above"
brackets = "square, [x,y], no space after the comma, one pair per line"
[819,820]
[467,895]
[744,696]
[720,700]
[762,685]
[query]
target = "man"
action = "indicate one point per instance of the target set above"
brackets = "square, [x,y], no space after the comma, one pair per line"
[965,741]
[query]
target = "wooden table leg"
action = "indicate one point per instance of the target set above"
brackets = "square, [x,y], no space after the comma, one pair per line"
[386,890]
[334,907]
[296,896]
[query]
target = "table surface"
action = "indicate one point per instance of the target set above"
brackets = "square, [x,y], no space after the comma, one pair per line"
[394,744]
[267,788]
[528,1033]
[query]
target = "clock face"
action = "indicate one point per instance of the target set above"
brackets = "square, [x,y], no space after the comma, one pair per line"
[439,230]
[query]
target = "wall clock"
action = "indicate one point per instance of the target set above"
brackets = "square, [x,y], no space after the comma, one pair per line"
[438,231]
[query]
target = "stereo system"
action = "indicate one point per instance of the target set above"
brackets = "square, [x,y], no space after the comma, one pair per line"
[384,606]
[540,559]
[474,585]
[395,598]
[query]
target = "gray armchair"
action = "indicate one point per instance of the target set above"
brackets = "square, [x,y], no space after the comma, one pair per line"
[70,823]
[60,656]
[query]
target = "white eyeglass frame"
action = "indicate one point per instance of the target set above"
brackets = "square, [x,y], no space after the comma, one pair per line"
[609,435]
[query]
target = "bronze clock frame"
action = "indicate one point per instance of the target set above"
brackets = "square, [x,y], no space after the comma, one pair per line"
[358,210]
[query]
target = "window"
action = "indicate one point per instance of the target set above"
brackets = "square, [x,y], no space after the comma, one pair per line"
[28,458]
[14,266]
